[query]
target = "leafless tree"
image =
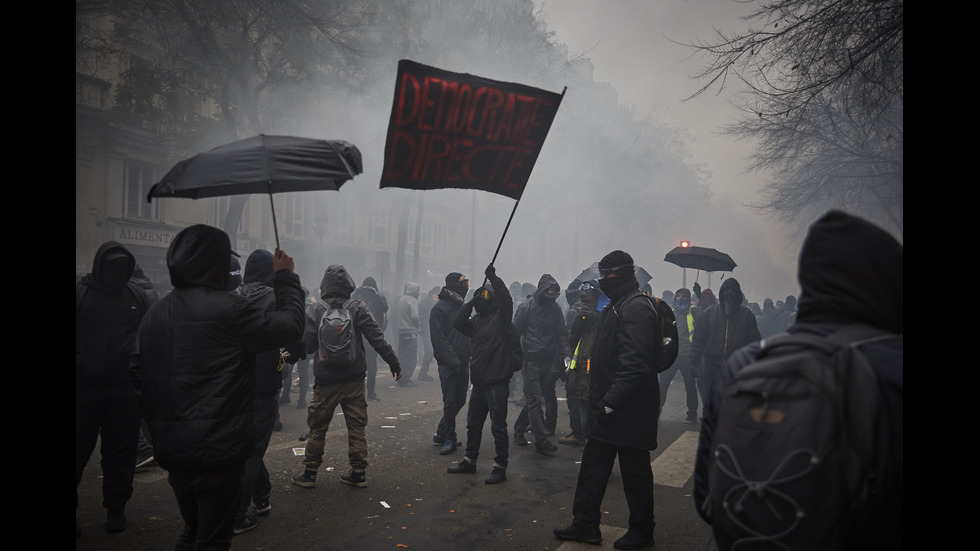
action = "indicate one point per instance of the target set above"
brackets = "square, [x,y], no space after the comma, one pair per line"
[821,84]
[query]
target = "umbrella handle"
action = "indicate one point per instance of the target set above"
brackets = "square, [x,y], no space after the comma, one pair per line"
[275,227]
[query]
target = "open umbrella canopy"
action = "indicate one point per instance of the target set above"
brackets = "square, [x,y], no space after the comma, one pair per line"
[700,258]
[592,272]
[262,164]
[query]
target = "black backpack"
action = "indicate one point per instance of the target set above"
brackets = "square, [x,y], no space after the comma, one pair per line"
[797,452]
[667,333]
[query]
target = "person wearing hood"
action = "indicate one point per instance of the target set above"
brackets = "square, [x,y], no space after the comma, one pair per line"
[769,321]
[722,329]
[196,375]
[409,327]
[850,272]
[341,385]
[376,302]
[495,355]
[687,317]
[625,359]
[581,333]
[257,287]
[451,350]
[108,309]
[541,325]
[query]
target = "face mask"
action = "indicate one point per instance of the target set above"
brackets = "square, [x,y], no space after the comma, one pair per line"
[682,304]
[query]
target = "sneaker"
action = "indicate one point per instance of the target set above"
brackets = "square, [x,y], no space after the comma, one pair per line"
[438,440]
[355,478]
[545,448]
[306,479]
[497,476]
[284,400]
[691,418]
[571,440]
[245,524]
[520,440]
[145,462]
[278,426]
[263,506]
[406,383]
[576,532]
[633,540]
[115,521]
[448,447]
[463,467]
[373,397]
[304,436]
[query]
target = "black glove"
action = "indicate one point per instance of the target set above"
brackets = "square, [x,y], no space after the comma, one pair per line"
[697,289]
[490,272]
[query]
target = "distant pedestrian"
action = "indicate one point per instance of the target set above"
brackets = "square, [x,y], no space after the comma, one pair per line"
[376,302]
[687,317]
[426,304]
[409,327]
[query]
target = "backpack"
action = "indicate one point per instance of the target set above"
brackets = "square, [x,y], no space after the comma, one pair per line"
[667,333]
[795,453]
[336,342]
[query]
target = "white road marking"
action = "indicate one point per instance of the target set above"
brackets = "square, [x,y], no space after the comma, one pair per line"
[675,465]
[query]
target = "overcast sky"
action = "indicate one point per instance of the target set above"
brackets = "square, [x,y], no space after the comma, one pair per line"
[637,46]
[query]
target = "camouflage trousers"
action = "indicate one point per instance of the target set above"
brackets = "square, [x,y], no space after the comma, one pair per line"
[326,398]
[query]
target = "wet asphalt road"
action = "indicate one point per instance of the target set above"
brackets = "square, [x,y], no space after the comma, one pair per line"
[410,501]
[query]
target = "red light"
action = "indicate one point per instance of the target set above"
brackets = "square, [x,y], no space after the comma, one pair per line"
[685,243]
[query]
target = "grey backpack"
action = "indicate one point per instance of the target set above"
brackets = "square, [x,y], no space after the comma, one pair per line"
[336,342]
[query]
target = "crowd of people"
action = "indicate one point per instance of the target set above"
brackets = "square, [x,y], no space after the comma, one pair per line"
[197,376]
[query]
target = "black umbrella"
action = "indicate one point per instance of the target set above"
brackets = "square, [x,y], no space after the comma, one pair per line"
[700,258]
[262,164]
[592,272]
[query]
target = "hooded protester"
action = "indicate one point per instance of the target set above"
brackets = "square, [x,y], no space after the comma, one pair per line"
[257,287]
[721,330]
[687,317]
[108,309]
[850,272]
[196,374]
[495,355]
[581,333]
[409,327]
[451,350]
[625,359]
[541,325]
[376,302]
[769,321]
[341,386]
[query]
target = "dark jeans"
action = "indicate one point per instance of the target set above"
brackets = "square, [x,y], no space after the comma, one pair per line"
[550,396]
[408,354]
[454,383]
[682,364]
[707,371]
[256,484]
[486,400]
[207,502]
[117,421]
[593,476]
[578,417]
[303,372]
[532,415]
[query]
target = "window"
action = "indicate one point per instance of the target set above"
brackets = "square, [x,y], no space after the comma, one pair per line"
[381,230]
[138,178]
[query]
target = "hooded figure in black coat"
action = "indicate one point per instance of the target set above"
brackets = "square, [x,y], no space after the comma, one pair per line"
[196,373]
[850,272]
[108,310]
[624,408]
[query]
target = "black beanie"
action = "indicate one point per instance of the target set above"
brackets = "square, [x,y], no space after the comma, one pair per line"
[454,283]
[617,259]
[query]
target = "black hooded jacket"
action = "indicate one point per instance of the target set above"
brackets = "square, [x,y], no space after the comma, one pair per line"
[450,348]
[195,370]
[495,351]
[541,325]
[717,335]
[336,288]
[850,271]
[108,311]
[257,287]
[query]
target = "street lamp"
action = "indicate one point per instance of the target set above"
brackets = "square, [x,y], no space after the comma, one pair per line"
[684,244]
